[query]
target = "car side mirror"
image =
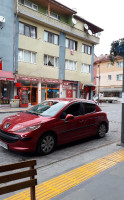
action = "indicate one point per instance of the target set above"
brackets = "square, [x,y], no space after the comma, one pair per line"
[69,117]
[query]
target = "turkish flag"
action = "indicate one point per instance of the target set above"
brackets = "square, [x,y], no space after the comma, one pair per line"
[0,64]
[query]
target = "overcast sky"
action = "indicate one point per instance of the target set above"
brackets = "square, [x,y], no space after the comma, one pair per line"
[106,14]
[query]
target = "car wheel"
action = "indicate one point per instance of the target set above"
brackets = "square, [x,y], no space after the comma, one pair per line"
[46,144]
[101,131]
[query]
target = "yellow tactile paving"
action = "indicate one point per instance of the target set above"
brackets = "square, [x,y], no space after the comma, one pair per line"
[57,185]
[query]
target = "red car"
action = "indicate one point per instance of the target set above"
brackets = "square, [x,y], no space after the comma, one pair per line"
[42,129]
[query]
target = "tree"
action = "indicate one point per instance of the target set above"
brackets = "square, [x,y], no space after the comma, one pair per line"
[117,49]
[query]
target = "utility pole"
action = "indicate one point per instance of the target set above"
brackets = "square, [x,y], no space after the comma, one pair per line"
[99,85]
[122,119]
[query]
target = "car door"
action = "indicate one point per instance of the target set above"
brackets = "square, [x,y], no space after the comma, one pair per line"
[70,130]
[90,119]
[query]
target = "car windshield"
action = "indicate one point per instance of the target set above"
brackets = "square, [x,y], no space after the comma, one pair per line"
[38,109]
[53,110]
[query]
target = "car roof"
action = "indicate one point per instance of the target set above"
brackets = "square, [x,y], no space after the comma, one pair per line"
[72,100]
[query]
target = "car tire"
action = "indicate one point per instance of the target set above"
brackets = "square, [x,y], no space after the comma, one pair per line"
[101,130]
[46,144]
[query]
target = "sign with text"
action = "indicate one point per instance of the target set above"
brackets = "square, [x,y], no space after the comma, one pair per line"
[69,93]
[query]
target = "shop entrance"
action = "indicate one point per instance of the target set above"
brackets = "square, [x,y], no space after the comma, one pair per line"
[34,94]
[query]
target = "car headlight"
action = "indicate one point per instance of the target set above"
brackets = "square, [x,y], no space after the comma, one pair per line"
[28,129]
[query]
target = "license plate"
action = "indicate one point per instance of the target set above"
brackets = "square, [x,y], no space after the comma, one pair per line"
[4,145]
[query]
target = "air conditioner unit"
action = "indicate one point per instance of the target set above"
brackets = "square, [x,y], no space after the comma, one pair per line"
[2,19]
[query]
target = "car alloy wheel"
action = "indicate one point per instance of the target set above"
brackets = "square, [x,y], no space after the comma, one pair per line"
[102,130]
[46,144]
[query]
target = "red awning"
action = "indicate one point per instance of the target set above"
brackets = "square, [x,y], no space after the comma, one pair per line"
[6,76]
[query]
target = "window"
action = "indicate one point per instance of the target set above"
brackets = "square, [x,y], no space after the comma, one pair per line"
[51,61]
[71,44]
[54,15]
[51,37]
[85,68]
[74,109]
[29,4]
[109,77]
[89,108]
[86,49]
[26,56]
[70,65]
[120,64]
[109,65]
[27,30]
[119,77]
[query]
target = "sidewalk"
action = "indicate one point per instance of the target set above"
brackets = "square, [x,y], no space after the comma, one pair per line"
[101,178]
[7,109]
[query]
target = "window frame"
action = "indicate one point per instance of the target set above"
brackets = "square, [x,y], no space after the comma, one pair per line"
[30,29]
[119,75]
[86,66]
[86,49]
[31,53]
[53,17]
[32,4]
[109,65]
[56,60]
[74,44]
[109,77]
[53,36]
[120,64]
[67,65]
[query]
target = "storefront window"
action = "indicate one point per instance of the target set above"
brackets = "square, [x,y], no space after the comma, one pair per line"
[52,93]
[4,92]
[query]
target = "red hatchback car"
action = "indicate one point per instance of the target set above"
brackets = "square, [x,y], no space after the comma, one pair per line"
[44,126]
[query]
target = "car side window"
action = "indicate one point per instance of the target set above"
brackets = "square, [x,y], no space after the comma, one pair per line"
[89,108]
[74,109]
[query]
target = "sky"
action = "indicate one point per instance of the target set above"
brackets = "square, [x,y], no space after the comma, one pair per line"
[106,14]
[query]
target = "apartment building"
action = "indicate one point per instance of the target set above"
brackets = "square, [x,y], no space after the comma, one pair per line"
[6,51]
[111,76]
[54,51]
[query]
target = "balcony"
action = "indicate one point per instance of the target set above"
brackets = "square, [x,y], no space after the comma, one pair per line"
[40,18]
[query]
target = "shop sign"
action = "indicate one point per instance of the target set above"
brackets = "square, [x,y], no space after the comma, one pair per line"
[50,81]
[7,79]
[27,79]
[69,93]
[18,85]
[65,84]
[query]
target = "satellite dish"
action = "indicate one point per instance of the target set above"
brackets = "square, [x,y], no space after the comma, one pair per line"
[74,21]
[90,32]
[99,34]
[86,26]
[2,19]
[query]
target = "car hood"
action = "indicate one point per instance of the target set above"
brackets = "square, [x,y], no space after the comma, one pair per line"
[22,120]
